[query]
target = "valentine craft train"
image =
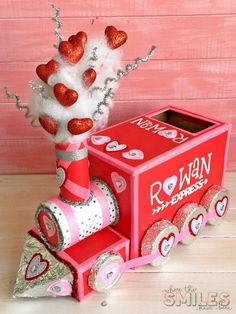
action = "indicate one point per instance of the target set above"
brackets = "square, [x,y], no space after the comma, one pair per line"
[129,193]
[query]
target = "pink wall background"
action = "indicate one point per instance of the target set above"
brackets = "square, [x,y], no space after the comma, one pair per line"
[194,66]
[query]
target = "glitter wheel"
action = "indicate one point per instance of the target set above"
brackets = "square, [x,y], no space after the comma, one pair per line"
[160,239]
[190,221]
[105,272]
[216,202]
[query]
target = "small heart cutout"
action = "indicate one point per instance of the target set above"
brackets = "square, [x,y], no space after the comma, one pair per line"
[80,38]
[115,146]
[71,52]
[36,267]
[166,244]
[45,70]
[221,206]
[195,224]
[64,95]
[88,77]
[60,288]
[119,182]
[115,38]
[134,154]
[168,133]
[50,226]
[169,184]
[60,176]
[48,124]
[79,126]
[100,140]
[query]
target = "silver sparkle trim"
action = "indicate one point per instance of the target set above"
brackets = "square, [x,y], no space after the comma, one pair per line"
[35,86]
[94,57]
[56,19]
[72,156]
[21,107]
[119,75]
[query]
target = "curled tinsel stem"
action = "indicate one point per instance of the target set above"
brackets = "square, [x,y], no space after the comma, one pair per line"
[119,75]
[56,19]
[20,107]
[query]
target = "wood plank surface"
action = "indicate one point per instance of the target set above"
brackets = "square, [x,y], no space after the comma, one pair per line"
[208,265]
[189,37]
[71,8]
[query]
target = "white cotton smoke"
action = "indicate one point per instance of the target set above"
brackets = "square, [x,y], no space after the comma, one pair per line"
[108,61]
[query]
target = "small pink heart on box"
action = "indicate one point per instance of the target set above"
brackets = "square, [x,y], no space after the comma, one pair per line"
[115,146]
[60,287]
[134,154]
[36,267]
[51,230]
[221,206]
[169,184]
[118,182]
[168,133]
[100,140]
[195,224]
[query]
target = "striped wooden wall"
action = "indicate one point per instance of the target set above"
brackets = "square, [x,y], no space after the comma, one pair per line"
[194,67]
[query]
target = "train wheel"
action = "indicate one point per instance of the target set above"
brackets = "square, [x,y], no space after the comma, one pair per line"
[216,202]
[189,219]
[105,272]
[159,238]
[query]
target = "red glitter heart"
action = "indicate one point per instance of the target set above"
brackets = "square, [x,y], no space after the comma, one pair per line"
[115,38]
[72,52]
[79,126]
[45,70]
[64,95]
[88,77]
[48,124]
[80,38]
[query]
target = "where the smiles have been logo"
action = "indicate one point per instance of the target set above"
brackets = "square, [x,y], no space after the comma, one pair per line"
[179,185]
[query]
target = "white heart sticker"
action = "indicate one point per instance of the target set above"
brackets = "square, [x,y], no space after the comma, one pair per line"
[115,146]
[166,244]
[168,133]
[134,154]
[100,140]
[195,224]
[119,182]
[169,184]
[221,206]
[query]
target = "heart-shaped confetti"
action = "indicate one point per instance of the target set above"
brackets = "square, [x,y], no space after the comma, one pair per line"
[79,126]
[64,95]
[134,154]
[45,70]
[36,267]
[166,244]
[80,38]
[115,38]
[71,52]
[48,124]
[119,182]
[169,184]
[221,206]
[115,146]
[100,140]
[195,224]
[168,133]
[88,77]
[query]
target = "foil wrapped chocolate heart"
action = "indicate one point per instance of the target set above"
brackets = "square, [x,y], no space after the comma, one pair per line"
[64,95]
[80,38]
[115,38]
[78,126]
[71,52]
[48,124]
[88,77]
[45,70]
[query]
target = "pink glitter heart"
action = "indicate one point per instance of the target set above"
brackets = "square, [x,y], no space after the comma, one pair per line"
[100,140]
[169,184]
[119,182]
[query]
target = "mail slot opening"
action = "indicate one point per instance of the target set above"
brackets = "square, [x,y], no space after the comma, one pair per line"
[183,121]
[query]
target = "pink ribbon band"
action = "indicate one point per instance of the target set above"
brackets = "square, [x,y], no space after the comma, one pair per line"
[70,217]
[77,190]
